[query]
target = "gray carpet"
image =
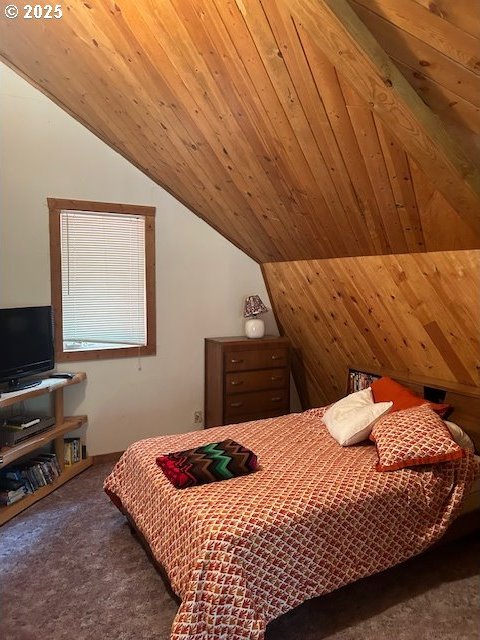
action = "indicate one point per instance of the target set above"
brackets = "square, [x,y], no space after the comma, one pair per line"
[71,569]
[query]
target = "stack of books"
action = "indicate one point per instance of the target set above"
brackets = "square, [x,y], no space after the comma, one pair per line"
[73,451]
[27,477]
[359,380]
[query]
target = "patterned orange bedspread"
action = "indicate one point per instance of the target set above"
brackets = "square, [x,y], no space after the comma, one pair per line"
[315,517]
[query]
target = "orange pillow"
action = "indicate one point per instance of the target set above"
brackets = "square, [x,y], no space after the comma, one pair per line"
[413,437]
[385,389]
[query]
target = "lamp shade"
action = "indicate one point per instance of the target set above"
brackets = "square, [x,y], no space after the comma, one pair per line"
[254,307]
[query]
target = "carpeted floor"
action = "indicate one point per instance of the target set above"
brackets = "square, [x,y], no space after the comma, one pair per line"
[71,569]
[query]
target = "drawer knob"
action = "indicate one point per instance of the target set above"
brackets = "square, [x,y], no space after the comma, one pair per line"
[233,361]
[273,378]
[277,399]
[277,357]
[236,404]
[236,382]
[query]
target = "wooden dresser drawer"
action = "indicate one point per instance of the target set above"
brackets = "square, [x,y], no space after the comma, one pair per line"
[259,359]
[245,381]
[255,402]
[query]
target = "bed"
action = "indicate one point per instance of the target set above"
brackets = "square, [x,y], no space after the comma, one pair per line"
[315,517]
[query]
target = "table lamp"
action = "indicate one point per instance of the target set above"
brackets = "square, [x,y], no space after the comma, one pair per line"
[254,326]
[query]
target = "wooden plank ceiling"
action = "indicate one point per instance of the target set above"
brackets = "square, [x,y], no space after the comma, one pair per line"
[309,133]
[238,111]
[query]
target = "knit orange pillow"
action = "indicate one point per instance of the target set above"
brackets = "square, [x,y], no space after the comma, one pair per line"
[385,389]
[411,437]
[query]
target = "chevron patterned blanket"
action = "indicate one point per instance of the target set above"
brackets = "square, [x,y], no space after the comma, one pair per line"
[313,518]
[208,463]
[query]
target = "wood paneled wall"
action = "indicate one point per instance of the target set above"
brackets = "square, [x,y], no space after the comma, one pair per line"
[414,314]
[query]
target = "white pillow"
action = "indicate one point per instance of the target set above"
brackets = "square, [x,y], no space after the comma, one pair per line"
[460,437]
[351,419]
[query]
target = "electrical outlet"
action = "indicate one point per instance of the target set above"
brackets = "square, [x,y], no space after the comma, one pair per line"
[198,417]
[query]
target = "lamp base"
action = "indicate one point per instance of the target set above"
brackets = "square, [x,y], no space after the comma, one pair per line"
[254,328]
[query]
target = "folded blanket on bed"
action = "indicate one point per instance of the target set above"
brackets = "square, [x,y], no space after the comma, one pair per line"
[208,463]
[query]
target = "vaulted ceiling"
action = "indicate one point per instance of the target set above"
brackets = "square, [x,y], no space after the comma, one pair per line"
[310,133]
[284,124]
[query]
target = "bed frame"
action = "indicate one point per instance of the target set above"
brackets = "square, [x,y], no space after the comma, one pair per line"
[465,401]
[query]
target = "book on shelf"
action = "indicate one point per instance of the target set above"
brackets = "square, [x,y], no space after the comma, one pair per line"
[52,458]
[73,451]
[41,480]
[31,478]
[45,471]
[359,380]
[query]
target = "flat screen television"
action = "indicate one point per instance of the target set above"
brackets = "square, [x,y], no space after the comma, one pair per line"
[26,345]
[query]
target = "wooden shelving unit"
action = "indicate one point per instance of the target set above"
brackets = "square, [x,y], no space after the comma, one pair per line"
[55,434]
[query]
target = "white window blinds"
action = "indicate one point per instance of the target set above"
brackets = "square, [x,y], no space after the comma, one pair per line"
[103,280]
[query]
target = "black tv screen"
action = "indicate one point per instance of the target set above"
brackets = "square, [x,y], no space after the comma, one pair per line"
[26,342]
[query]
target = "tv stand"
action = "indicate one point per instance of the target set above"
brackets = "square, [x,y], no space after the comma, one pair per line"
[63,425]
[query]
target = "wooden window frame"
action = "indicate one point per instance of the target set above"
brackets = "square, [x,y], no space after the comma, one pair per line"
[55,206]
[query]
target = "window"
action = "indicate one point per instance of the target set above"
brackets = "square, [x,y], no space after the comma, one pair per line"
[103,279]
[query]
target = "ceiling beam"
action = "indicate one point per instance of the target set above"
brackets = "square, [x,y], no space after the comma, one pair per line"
[352,49]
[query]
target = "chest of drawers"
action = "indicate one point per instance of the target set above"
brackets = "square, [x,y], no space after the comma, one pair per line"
[246,379]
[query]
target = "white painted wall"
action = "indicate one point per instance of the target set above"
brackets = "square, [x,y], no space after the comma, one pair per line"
[202,279]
